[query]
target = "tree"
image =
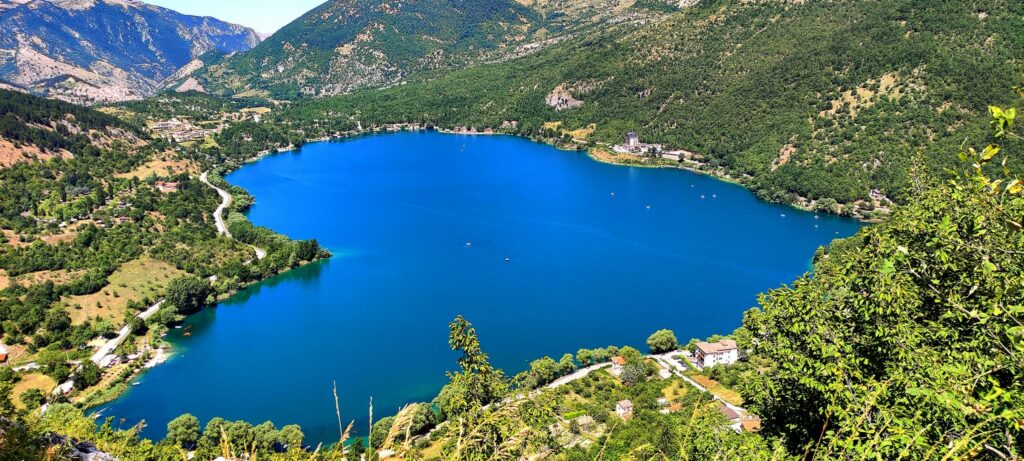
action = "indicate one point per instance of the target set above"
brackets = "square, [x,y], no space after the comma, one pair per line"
[379,434]
[566,365]
[477,383]
[292,436]
[32,398]
[631,354]
[188,294]
[662,341]
[89,374]
[633,374]
[183,431]
[909,331]
[306,250]
[542,371]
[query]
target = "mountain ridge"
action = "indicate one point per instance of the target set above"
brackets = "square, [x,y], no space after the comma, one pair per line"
[89,51]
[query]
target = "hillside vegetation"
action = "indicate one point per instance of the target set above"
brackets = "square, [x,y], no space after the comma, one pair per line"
[804,102]
[906,343]
[346,45]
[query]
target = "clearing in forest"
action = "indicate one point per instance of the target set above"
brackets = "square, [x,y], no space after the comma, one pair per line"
[141,278]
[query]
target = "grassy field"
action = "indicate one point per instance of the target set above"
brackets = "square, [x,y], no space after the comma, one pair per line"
[717,388]
[135,280]
[32,381]
[160,167]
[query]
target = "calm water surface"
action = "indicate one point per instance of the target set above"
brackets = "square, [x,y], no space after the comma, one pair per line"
[598,255]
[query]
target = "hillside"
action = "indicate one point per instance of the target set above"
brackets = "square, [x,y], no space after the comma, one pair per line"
[98,221]
[89,51]
[34,129]
[802,102]
[345,45]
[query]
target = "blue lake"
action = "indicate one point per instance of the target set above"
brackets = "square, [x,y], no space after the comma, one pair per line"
[597,255]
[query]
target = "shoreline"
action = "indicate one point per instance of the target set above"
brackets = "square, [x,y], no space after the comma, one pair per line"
[681,165]
[166,349]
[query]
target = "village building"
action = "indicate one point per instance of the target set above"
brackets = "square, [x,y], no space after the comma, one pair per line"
[723,352]
[751,424]
[635,147]
[624,408]
[64,388]
[676,155]
[3,353]
[165,187]
[618,364]
[632,140]
[735,420]
[672,408]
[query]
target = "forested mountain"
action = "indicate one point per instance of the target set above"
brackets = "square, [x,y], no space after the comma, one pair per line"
[802,101]
[344,45]
[104,50]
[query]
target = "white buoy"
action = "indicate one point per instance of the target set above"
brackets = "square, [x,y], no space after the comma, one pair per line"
[508,259]
[714,195]
[613,194]
[648,207]
[469,244]
[702,196]
[783,215]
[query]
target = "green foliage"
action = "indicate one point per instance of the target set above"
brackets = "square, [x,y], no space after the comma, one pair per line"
[183,431]
[477,383]
[32,398]
[852,90]
[908,332]
[633,374]
[188,294]
[662,341]
[87,374]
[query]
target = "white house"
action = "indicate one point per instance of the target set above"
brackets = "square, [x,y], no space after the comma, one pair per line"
[723,352]
[624,408]
[618,363]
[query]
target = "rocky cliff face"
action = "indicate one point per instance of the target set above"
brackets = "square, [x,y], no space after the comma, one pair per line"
[89,51]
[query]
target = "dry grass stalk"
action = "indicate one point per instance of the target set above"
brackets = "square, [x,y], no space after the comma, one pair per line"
[403,423]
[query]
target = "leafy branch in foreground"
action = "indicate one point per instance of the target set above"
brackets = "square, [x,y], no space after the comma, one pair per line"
[908,341]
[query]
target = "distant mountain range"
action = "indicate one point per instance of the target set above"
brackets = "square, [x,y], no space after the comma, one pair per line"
[90,51]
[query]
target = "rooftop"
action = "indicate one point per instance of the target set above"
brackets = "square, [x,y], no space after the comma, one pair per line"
[720,346]
[729,413]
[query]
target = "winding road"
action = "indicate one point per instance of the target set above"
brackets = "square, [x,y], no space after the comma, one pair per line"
[222,228]
[218,214]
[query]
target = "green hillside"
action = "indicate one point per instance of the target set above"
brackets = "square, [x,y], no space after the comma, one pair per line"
[815,100]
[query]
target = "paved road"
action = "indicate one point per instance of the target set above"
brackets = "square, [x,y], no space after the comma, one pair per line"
[575,375]
[218,215]
[666,361]
[122,334]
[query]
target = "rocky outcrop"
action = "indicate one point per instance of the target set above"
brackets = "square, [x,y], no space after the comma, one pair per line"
[561,99]
[89,51]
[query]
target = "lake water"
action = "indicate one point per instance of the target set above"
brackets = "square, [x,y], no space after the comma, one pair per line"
[597,255]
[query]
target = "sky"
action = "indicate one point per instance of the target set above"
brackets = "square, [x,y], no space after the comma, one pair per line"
[263,15]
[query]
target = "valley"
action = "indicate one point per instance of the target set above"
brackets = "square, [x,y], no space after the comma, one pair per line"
[698,229]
